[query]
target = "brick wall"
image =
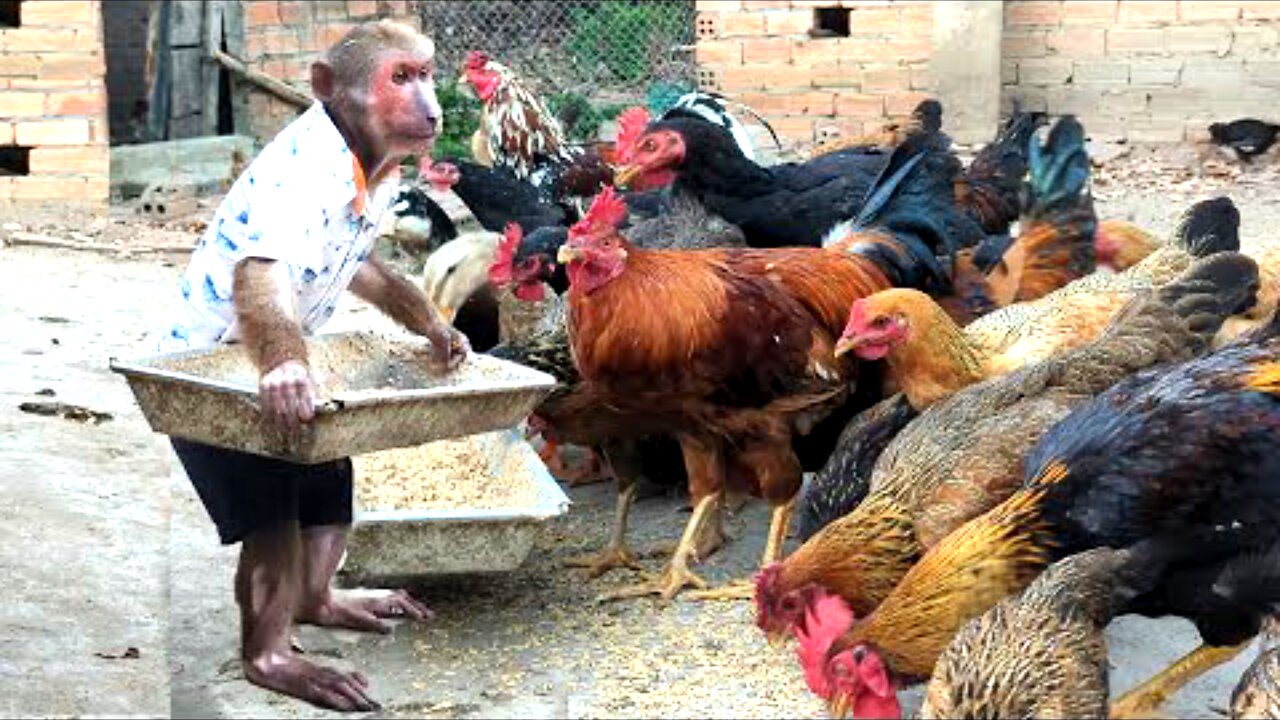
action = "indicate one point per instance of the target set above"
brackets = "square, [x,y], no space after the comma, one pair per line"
[1144,70]
[282,39]
[53,101]
[816,88]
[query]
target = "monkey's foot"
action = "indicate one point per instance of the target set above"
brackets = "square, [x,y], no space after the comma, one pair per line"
[736,590]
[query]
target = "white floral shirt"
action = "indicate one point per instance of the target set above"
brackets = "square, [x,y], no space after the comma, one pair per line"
[303,203]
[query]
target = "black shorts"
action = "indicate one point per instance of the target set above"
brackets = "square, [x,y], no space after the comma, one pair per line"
[244,493]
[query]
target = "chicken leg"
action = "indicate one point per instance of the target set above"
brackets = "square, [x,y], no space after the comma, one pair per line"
[702,536]
[615,554]
[1145,700]
[779,522]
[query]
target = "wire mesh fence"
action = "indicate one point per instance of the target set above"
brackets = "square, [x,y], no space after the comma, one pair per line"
[588,59]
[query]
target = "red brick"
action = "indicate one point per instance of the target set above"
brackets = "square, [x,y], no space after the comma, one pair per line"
[37,13]
[1155,71]
[1024,44]
[83,160]
[1264,10]
[1032,13]
[42,39]
[781,77]
[48,84]
[48,188]
[741,23]
[331,34]
[1077,41]
[814,52]
[766,50]
[290,11]
[796,129]
[859,105]
[736,78]
[21,104]
[1044,71]
[917,20]
[1089,12]
[764,103]
[1199,10]
[1250,40]
[76,103]
[262,12]
[886,79]
[921,78]
[72,67]
[99,132]
[27,65]
[811,103]
[1100,72]
[874,20]
[52,132]
[766,4]
[97,189]
[903,103]
[361,9]
[1198,39]
[835,75]
[717,5]
[1135,40]
[6,133]
[1148,11]
[1008,72]
[788,22]
[708,26]
[719,52]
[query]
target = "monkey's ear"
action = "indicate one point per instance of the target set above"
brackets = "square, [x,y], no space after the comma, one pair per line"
[322,81]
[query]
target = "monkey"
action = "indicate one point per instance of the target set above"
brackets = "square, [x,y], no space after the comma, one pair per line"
[294,231]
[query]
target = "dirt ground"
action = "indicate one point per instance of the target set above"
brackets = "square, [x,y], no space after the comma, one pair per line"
[119,597]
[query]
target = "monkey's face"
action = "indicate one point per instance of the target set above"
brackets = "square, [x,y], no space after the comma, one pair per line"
[402,102]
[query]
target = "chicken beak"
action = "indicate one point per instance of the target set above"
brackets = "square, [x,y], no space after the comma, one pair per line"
[777,640]
[845,344]
[448,314]
[568,254]
[625,175]
[838,706]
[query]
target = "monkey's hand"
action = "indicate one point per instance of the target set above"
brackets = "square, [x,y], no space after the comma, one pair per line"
[288,394]
[448,348]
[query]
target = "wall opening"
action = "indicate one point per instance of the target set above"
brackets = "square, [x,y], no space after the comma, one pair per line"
[830,22]
[15,160]
[10,13]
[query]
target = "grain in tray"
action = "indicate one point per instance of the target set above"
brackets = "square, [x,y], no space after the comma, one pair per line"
[464,473]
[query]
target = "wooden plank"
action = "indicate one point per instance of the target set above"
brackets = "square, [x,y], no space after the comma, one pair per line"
[187,91]
[210,70]
[187,21]
[161,77]
[233,38]
[279,88]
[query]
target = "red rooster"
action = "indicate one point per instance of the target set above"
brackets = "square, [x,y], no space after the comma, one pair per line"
[730,350]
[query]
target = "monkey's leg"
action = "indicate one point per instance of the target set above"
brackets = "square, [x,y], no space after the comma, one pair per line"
[1145,700]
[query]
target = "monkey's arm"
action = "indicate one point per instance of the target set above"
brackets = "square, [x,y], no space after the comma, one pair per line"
[398,298]
[268,330]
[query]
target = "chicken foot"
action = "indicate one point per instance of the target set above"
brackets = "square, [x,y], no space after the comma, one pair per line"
[702,536]
[1145,700]
[779,522]
[615,554]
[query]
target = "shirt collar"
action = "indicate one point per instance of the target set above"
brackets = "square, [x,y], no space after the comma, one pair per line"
[347,176]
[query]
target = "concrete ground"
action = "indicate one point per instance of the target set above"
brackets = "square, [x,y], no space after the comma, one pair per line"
[105,548]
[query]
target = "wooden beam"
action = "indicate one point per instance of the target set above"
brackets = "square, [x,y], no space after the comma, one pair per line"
[210,70]
[279,88]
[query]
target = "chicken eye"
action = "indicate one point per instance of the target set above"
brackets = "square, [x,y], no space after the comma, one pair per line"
[859,653]
[789,604]
[880,322]
[649,146]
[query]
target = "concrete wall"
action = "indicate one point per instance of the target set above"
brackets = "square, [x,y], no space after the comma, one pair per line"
[282,38]
[1141,70]
[53,101]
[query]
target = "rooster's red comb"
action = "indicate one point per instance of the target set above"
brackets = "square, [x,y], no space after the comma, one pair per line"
[501,272]
[608,211]
[826,618]
[476,60]
[631,125]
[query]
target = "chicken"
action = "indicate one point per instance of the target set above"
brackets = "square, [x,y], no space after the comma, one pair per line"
[1247,137]
[1043,653]
[926,117]
[1181,456]
[713,108]
[1120,245]
[729,349]
[964,454]
[455,278]
[1055,245]
[989,189]
[782,205]
[930,357]
[1257,695]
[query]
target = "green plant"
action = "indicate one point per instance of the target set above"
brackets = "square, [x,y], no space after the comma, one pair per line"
[623,35]
[461,118]
[580,118]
